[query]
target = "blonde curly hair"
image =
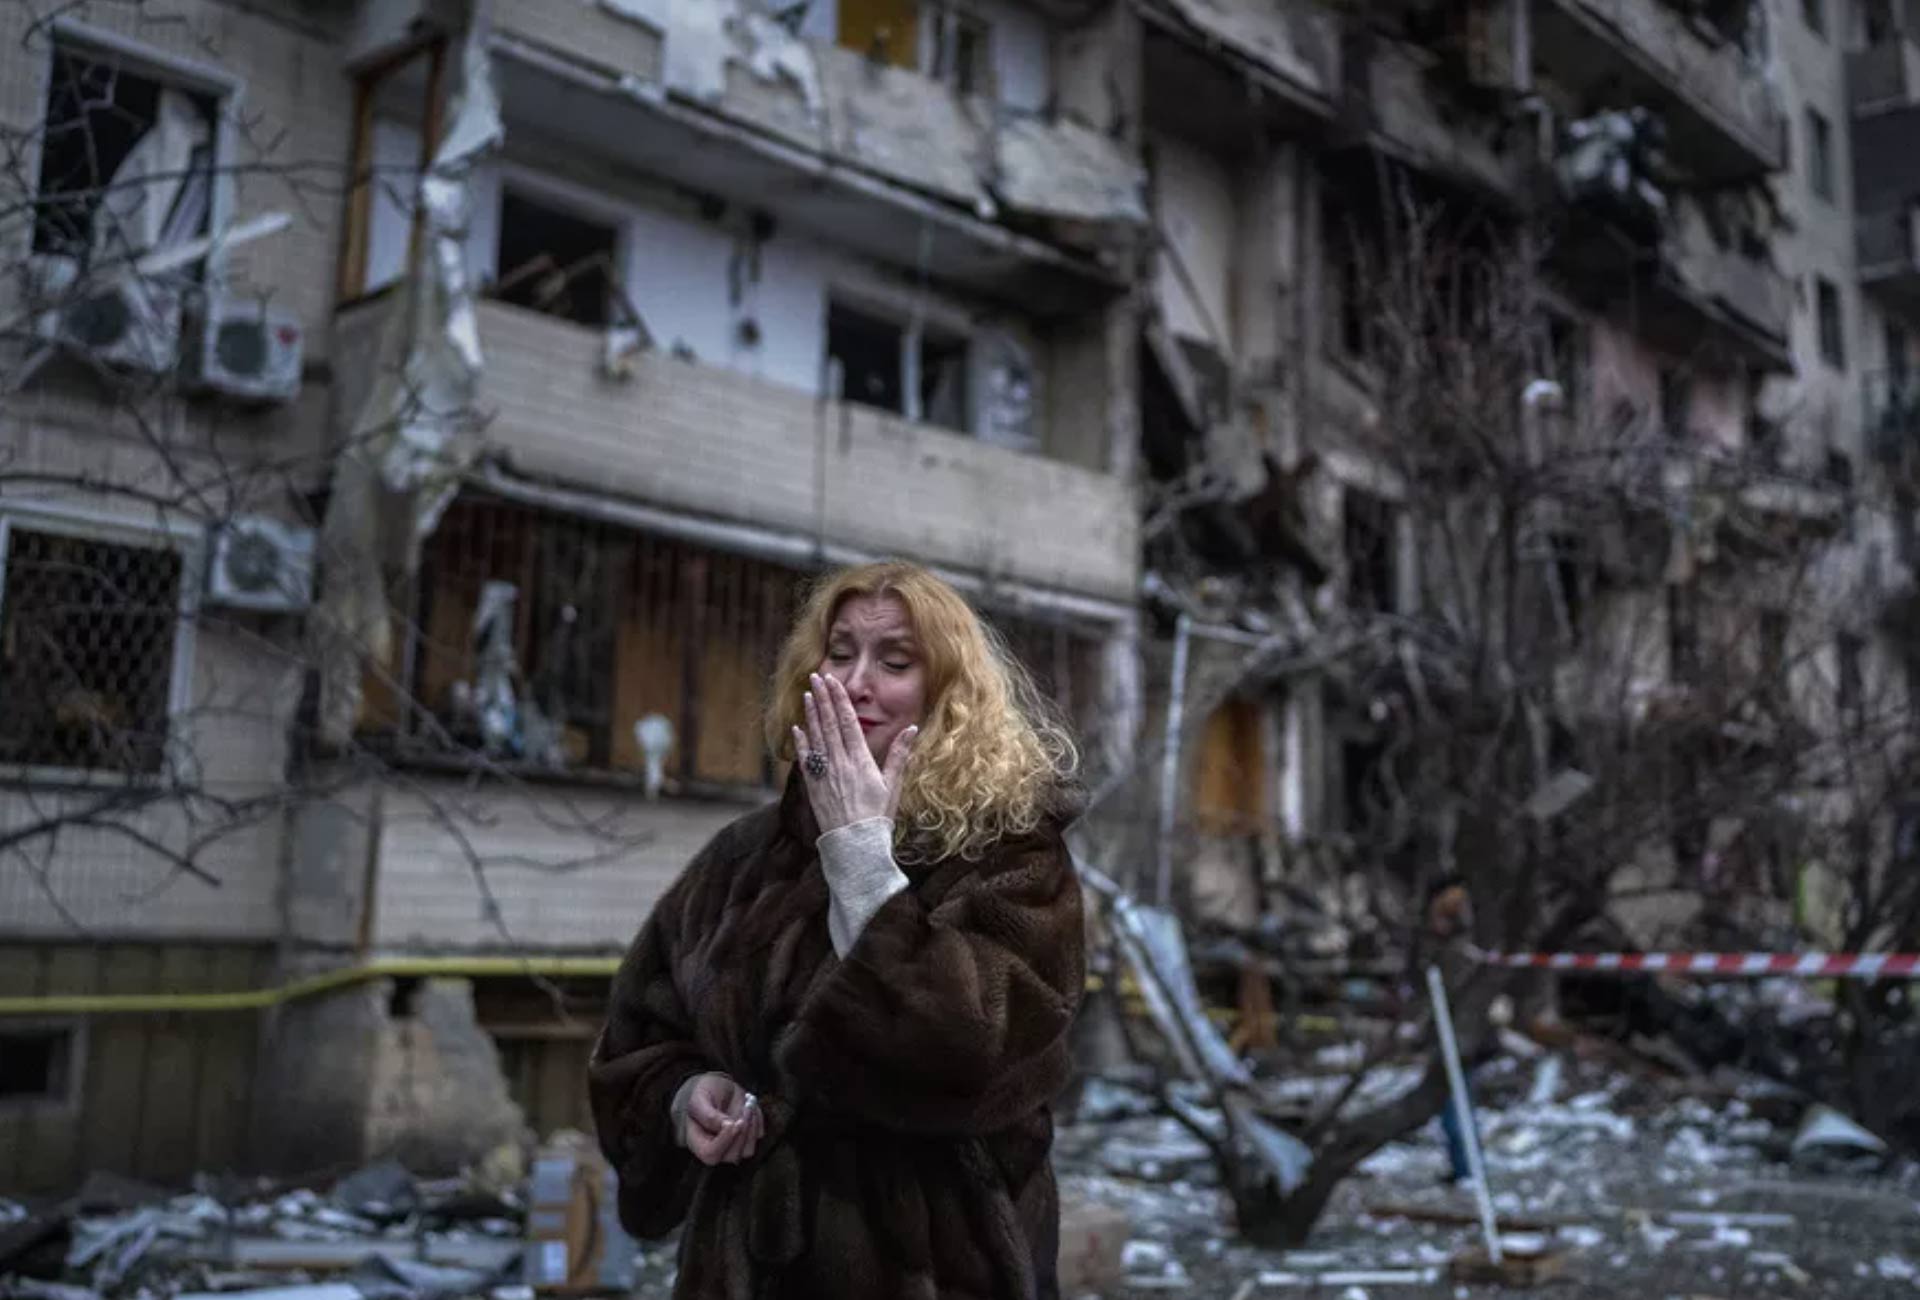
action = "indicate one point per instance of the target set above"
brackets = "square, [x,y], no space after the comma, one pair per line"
[990,761]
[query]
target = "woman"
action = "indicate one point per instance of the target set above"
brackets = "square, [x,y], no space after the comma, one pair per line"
[832,1046]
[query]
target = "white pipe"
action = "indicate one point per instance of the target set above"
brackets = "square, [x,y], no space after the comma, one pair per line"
[1170,761]
[1463,1111]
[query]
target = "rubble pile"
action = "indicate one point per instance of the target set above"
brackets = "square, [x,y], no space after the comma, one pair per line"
[378,1234]
[1641,1183]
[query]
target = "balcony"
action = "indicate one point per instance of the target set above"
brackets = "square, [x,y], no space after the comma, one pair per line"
[708,443]
[1688,291]
[1724,122]
[1885,75]
[829,142]
[1219,71]
[1888,249]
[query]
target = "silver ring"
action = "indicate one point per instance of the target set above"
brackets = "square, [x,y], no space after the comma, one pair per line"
[816,763]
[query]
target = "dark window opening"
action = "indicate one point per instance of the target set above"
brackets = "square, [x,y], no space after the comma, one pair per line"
[1820,154]
[943,381]
[962,48]
[555,262]
[882,364]
[1351,302]
[1683,634]
[1676,402]
[1899,363]
[1815,13]
[86,652]
[1833,339]
[1369,533]
[1570,582]
[106,128]
[1363,789]
[1848,686]
[1774,627]
[870,352]
[37,1063]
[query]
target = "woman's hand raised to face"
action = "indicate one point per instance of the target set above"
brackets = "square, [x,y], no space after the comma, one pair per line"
[849,786]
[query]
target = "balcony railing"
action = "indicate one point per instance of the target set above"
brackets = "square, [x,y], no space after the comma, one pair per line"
[1724,117]
[1884,75]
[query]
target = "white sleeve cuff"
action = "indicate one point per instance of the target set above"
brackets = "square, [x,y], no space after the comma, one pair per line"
[861,877]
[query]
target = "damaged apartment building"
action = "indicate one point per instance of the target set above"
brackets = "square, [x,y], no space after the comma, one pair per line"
[601,325]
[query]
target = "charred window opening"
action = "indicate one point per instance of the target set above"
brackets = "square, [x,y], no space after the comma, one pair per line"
[1833,338]
[1676,402]
[1370,534]
[38,1063]
[87,630]
[555,262]
[1683,634]
[916,372]
[1364,793]
[126,162]
[1569,569]
[1774,627]
[871,354]
[1849,688]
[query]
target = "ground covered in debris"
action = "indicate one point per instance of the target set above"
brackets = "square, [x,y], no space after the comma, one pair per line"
[1642,1188]
[1645,1190]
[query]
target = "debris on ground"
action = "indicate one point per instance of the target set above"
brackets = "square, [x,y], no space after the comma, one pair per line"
[379,1233]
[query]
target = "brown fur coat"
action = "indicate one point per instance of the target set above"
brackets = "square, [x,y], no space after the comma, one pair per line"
[906,1087]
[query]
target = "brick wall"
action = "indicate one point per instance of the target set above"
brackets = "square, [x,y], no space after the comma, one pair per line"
[707,441]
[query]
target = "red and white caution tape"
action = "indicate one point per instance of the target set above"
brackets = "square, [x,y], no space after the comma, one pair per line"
[1805,965]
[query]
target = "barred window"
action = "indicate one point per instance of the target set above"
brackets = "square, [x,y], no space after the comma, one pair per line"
[606,626]
[87,631]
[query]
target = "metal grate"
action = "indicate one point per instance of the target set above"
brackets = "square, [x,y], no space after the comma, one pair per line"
[87,633]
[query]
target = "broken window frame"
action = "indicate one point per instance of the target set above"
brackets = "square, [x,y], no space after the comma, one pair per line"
[572,203]
[1384,591]
[100,528]
[1830,322]
[67,1072]
[357,224]
[914,329]
[220,92]
[942,23]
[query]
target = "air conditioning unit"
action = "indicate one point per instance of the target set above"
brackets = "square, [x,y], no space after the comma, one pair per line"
[260,563]
[243,348]
[130,324]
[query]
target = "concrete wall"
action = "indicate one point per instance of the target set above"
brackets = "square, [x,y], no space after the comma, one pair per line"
[569,867]
[283,142]
[697,277]
[1194,210]
[1819,407]
[287,125]
[889,485]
